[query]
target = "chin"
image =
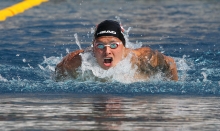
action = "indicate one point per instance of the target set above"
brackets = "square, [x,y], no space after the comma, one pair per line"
[106,68]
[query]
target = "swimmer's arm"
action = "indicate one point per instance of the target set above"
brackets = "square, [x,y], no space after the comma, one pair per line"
[164,63]
[172,71]
[67,67]
[151,62]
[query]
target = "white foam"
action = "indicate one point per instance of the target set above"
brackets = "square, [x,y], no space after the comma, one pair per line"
[182,63]
[182,67]
[49,63]
[90,70]
[122,72]
[51,60]
[3,79]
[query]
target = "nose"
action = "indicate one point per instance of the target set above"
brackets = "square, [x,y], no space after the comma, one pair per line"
[107,50]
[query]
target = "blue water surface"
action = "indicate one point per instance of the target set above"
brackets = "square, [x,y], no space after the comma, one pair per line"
[33,43]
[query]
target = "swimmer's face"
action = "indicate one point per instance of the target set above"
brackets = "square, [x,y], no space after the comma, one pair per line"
[108,51]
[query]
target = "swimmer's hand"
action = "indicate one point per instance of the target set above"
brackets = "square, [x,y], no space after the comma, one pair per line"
[67,67]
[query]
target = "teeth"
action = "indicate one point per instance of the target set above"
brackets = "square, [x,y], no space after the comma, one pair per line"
[107,58]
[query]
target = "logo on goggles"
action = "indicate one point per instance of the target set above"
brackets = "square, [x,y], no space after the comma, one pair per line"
[106,31]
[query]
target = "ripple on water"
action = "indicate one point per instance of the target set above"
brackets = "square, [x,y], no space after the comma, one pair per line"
[40,78]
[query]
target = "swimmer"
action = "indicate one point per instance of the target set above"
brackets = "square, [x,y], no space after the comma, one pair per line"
[109,49]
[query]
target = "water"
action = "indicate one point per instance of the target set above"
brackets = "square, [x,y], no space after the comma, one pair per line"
[108,112]
[32,43]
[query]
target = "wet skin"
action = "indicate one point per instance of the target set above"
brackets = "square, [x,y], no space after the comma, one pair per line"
[149,62]
[102,55]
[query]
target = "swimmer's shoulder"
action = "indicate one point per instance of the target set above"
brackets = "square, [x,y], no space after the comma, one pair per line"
[139,52]
[142,51]
[68,65]
[152,61]
[72,58]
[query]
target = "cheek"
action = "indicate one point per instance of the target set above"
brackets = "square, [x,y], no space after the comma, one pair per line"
[97,53]
[118,54]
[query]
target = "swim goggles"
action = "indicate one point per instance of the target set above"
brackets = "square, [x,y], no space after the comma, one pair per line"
[112,45]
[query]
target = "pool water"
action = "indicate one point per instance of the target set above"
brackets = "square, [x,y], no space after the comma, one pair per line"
[32,43]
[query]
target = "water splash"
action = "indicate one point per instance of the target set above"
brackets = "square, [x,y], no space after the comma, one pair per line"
[205,76]
[77,41]
[3,79]
[122,72]
[24,60]
[92,30]
[198,73]
[49,63]
[91,71]
[183,67]
[31,67]
[118,80]
[126,36]
[67,51]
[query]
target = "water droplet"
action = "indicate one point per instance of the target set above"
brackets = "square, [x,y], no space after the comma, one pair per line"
[77,41]
[30,66]
[24,60]
[67,51]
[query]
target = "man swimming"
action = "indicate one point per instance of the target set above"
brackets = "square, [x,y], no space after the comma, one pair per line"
[109,49]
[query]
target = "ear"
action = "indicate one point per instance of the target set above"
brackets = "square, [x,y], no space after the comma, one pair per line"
[122,29]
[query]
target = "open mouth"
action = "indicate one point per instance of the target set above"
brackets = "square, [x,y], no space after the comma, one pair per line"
[108,61]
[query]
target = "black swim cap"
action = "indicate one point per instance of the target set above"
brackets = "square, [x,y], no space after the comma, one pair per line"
[109,28]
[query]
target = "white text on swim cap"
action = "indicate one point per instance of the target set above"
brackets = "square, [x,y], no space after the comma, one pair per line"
[106,31]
